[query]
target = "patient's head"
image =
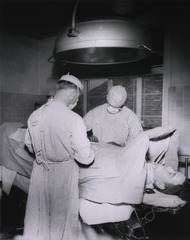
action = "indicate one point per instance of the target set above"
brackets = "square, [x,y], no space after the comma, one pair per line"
[172,182]
[164,176]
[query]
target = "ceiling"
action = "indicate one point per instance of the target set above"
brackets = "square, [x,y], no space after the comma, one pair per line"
[39,19]
[45,18]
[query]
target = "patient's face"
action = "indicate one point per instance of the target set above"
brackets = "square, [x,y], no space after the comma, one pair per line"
[168,176]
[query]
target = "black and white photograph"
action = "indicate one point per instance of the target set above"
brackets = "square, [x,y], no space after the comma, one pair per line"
[95,120]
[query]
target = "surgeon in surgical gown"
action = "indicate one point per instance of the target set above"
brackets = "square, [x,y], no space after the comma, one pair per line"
[113,121]
[57,136]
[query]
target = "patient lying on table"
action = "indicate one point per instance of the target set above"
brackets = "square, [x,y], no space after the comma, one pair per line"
[110,194]
[165,187]
[167,181]
[119,180]
[118,174]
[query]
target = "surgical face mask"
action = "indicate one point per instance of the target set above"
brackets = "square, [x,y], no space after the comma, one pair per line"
[113,110]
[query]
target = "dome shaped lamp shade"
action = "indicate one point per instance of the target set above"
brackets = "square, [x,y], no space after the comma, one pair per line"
[102,42]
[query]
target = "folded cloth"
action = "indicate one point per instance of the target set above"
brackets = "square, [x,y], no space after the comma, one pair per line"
[157,150]
[159,133]
[98,213]
[14,155]
[117,174]
[7,177]
[22,182]
[19,135]
[164,145]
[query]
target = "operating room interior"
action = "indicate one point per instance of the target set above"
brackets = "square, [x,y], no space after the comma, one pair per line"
[158,86]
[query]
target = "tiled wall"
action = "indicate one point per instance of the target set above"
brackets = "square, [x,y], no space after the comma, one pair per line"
[179,112]
[17,107]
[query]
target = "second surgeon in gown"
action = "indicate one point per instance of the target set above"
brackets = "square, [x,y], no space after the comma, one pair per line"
[113,121]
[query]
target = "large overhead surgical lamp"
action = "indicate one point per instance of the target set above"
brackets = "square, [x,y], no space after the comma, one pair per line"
[102,41]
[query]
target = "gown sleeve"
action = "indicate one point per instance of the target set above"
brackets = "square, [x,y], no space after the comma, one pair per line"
[88,120]
[80,143]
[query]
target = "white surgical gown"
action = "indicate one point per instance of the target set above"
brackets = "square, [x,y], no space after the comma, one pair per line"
[119,127]
[57,136]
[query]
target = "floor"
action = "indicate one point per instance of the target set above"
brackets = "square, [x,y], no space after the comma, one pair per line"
[12,213]
[165,226]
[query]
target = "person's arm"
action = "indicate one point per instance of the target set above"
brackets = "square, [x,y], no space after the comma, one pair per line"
[135,127]
[88,121]
[80,143]
[162,200]
[28,140]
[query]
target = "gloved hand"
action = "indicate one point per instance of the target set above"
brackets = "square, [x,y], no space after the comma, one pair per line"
[93,138]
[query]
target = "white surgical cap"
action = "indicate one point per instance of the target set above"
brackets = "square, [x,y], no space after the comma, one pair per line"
[117,96]
[72,79]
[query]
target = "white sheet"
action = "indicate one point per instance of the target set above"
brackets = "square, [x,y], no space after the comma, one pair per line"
[94,213]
